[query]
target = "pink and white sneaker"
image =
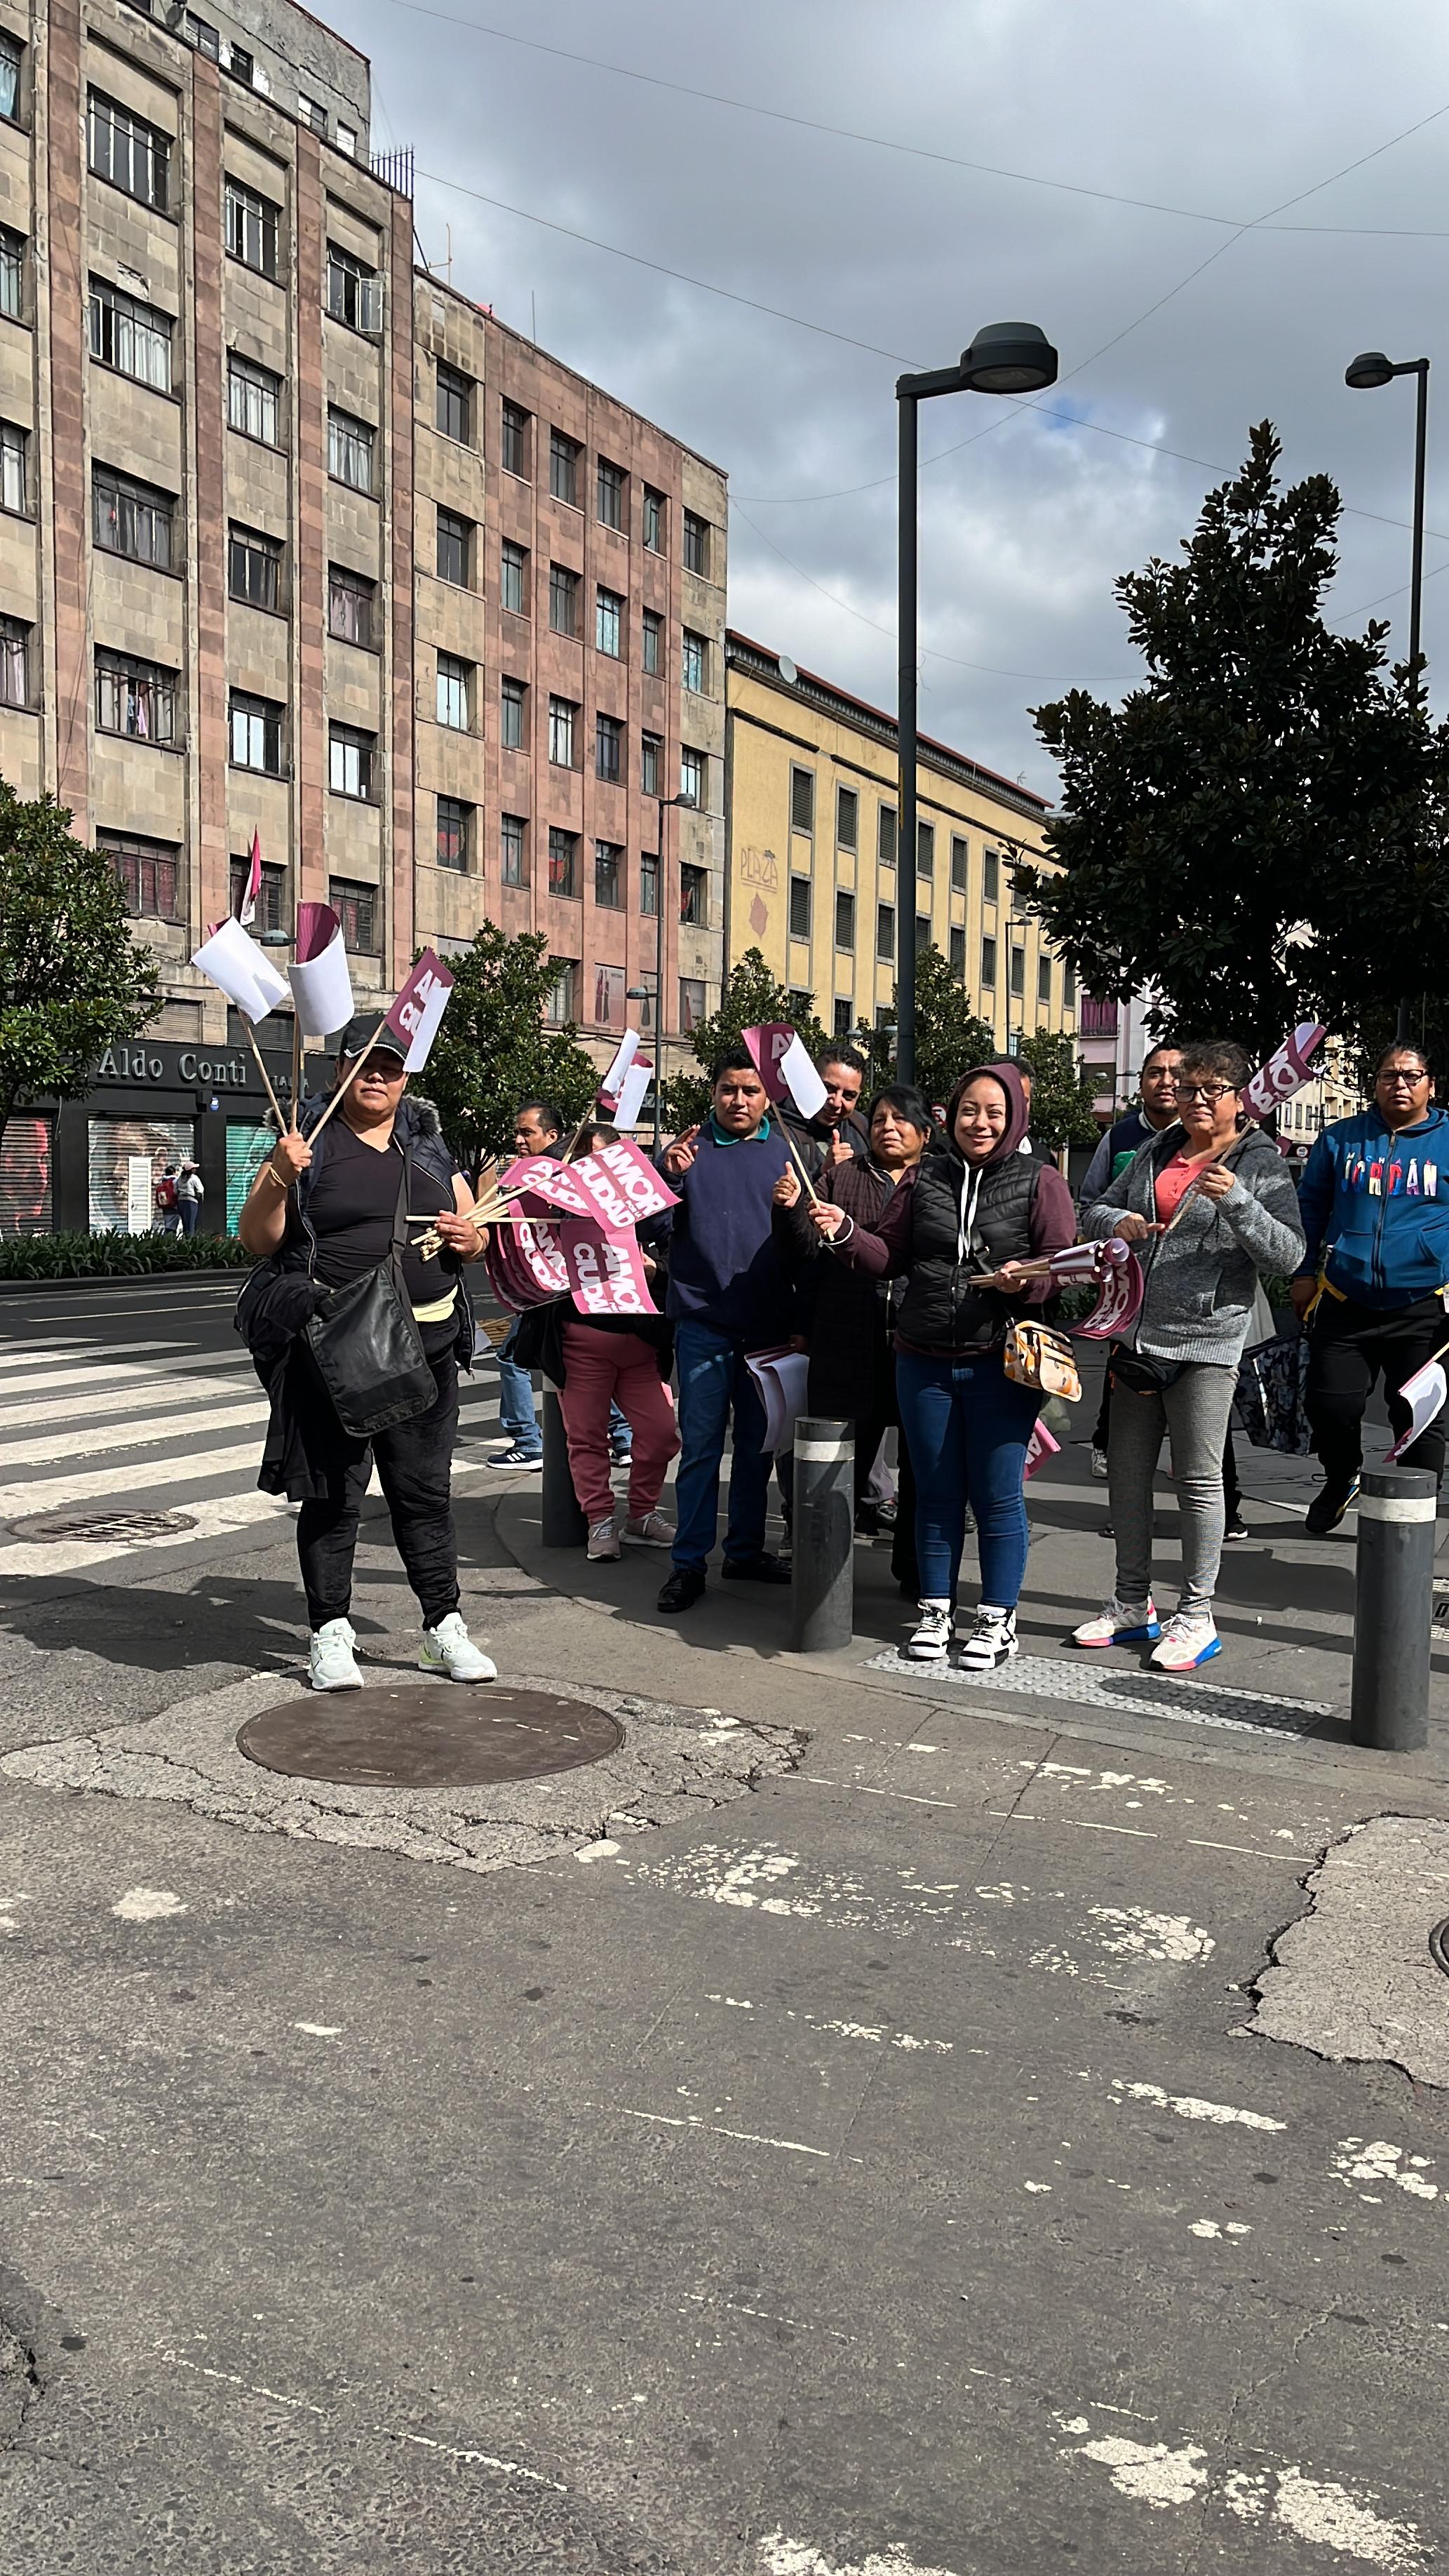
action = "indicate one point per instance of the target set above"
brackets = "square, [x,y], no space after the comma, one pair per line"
[1119,1623]
[1190,1638]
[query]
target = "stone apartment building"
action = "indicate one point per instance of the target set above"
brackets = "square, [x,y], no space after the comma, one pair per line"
[220,444]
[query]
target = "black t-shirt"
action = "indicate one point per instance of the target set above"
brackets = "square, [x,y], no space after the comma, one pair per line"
[351,1207]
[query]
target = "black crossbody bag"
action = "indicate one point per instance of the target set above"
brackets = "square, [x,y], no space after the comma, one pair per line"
[365,1344]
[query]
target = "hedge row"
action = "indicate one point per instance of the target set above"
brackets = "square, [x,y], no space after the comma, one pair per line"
[116,1256]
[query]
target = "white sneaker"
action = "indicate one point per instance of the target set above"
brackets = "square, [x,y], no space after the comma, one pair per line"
[932,1635]
[449,1649]
[991,1641]
[653,1531]
[1099,1465]
[603,1540]
[1119,1623]
[331,1663]
[1190,1638]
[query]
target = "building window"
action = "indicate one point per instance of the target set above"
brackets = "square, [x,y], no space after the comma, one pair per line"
[14,662]
[243,64]
[801,1003]
[9,78]
[692,777]
[454,536]
[14,467]
[131,519]
[133,338]
[346,135]
[561,725]
[253,400]
[802,800]
[12,273]
[609,623]
[608,997]
[885,838]
[356,909]
[149,872]
[455,828]
[563,600]
[1018,970]
[134,156]
[563,863]
[924,939]
[885,931]
[453,413]
[651,764]
[351,759]
[845,921]
[694,896]
[990,871]
[254,567]
[958,953]
[799,907]
[516,426]
[206,38]
[1044,982]
[847,818]
[609,876]
[514,580]
[350,598]
[513,844]
[696,544]
[1069,988]
[960,863]
[649,886]
[609,748]
[511,715]
[256,733]
[691,1004]
[611,487]
[695,662]
[455,683]
[560,1007]
[654,520]
[253,226]
[349,450]
[563,467]
[653,643]
[271,912]
[841,1025]
[988,964]
[354,291]
[925,849]
[310,111]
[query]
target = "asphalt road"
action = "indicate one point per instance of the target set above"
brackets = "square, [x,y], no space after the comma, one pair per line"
[876,2171]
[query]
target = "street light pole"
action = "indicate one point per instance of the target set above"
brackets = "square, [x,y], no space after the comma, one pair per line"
[1367,373]
[664,803]
[1004,358]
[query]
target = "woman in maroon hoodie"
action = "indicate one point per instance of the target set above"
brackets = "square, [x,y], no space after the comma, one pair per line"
[957,1230]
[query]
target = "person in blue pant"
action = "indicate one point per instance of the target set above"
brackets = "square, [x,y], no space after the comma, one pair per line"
[729,1294]
[537,1129]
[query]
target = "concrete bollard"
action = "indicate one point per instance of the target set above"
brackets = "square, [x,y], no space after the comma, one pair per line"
[1393,1609]
[563,1523]
[822,1571]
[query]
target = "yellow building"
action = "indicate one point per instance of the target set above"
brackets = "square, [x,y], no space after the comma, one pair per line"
[813,872]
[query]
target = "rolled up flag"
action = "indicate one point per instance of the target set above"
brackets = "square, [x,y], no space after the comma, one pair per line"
[612,1083]
[237,967]
[1285,1072]
[321,980]
[246,911]
[631,1092]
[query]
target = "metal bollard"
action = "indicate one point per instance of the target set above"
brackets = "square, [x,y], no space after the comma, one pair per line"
[1393,1609]
[563,1523]
[822,1570]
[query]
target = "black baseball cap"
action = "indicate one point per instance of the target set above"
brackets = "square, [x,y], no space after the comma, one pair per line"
[355,1037]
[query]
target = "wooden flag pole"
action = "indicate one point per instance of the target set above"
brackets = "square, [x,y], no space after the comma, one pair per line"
[296,1072]
[343,1088]
[811,1191]
[266,1078]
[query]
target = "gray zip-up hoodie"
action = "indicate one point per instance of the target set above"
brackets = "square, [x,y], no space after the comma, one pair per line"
[1202,1276]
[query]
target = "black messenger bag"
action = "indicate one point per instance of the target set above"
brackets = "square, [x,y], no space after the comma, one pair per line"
[365,1344]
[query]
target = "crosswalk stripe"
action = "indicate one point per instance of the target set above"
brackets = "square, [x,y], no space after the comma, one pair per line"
[98,1438]
[168,1399]
[72,1556]
[82,1349]
[54,1494]
[151,1374]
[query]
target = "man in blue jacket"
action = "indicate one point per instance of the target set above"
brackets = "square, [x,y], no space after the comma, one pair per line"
[1374,1200]
[728,1294]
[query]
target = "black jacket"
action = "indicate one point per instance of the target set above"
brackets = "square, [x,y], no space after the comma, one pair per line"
[942,1309]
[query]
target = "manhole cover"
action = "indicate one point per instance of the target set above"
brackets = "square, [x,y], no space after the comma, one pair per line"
[429,1735]
[126,1528]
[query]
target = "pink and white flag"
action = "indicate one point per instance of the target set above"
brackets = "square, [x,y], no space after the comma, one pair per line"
[1425,1393]
[1039,1448]
[247,908]
[631,1092]
[419,1007]
[321,981]
[1285,1072]
[785,1067]
[606,1271]
[612,1083]
[1119,1302]
[539,1182]
[622,1186]
[237,967]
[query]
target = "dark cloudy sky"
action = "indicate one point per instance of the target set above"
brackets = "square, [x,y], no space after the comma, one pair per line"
[1220,109]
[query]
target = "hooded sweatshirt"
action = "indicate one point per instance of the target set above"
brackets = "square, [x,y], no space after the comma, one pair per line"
[951,1222]
[1375,1209]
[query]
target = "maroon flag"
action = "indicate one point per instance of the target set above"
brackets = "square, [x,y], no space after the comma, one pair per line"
[606,1271]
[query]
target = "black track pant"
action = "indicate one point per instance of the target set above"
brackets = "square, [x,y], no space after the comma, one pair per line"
[414,1464]
[1349,1346]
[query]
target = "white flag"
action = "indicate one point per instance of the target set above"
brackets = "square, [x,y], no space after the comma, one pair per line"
[611,1084]
[803,1083]
[235,963]
[631,1092]
[321,982]
[1425,1393]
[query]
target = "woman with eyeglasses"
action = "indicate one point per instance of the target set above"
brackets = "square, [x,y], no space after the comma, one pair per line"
[1374,1200]
[1211,1207]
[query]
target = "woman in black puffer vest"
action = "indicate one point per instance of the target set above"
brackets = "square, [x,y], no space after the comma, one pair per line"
[956,1230]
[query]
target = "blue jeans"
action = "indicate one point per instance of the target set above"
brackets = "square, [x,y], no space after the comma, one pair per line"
[967,1425]
[713,1381]
[515,1400]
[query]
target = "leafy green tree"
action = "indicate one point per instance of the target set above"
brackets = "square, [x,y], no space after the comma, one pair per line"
[751,995]
[73,980]
[493,1049]
[1061,1091]
[1252,833]
[950,1037]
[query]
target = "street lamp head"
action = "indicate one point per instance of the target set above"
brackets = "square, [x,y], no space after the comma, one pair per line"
[1009,358]
[1370,371]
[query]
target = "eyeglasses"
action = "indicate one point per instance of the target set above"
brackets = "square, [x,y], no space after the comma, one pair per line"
[1403,1081]
[1211,1092]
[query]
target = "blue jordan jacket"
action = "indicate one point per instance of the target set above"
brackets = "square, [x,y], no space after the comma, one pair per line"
[1375,1209]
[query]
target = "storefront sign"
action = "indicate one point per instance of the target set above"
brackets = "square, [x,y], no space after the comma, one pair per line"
[173,1067]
